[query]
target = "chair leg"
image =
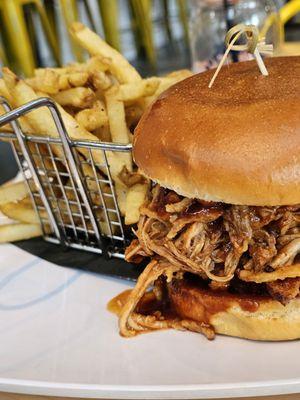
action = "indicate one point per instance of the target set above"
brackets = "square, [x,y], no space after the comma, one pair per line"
[3,57]
[70,14]
[288,11]
[142,11]
[183,15]
[15,27]
[48,31]
[109,16]
[89,14]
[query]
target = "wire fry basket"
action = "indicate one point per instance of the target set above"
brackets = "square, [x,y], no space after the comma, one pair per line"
[74,195]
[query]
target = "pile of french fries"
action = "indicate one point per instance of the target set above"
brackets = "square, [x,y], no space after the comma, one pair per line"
[99,100]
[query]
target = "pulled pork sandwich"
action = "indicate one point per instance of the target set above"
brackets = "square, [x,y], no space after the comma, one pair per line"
[221,226]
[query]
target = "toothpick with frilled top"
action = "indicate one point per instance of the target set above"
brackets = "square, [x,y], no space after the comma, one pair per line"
[253,45]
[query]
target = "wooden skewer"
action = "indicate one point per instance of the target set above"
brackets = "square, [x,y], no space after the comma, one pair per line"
[253,45]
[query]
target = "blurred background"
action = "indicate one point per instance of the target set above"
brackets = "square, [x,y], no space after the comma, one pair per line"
[155,35]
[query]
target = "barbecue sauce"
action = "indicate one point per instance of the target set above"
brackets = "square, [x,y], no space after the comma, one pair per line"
[116,304]
[147,305]
[202,207]
[207,302]
[196,302]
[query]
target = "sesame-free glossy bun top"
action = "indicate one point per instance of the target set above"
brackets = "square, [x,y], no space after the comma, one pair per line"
[238,142]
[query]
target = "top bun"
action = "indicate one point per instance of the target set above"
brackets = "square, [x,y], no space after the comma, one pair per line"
[238,142]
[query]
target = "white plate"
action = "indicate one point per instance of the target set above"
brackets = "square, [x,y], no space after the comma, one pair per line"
[56,338]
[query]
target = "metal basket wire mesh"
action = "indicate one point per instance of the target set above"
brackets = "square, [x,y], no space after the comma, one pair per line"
[72,192]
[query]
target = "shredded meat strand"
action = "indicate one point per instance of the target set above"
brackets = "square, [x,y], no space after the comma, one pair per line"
[213,240]
[284,291]
[131,322]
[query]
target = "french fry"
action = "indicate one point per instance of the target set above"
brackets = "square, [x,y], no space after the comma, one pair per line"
[100,99]
[21,211]
[41,119]
[99,213]
[79,97]
[63,82]
[97,63]
[40,72]
[93,118]
[135,91]
[136,196]
[117,123]
[47,82]
[24,125]
[119,66]
[77,79]
[133,114]
[166,82]
[116,116]
[43,123]
[72,79]
[4,92]
[19,231]
[131,178]
[100,80]
[74,67]
[180,74]
[77,132]
[100,105]
[103,133]
[121,192]
[13,192]
[93,64]
[7,127]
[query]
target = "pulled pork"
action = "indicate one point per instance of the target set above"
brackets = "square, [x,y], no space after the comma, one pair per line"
[284,291]
[215,241]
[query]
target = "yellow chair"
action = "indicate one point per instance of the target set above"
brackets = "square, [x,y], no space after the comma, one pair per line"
[110,23]
[109,15]
[183,16]
[3,57]
[70,14]
[16,32]
[287,12]
[142,10]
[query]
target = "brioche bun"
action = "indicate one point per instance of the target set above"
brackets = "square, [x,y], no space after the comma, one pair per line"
[236,143]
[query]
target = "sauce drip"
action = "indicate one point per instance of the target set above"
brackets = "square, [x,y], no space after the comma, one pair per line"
[248,305]
[147,305]
[116,304]
[187,301]
[211,210]
[202,207]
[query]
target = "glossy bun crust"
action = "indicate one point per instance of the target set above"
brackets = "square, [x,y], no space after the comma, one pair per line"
[237,142]
[244,316]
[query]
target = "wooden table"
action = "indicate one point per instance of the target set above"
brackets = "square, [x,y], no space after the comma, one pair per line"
[10,396]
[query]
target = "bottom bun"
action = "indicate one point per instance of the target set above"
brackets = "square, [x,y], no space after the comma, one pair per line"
[244,316]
